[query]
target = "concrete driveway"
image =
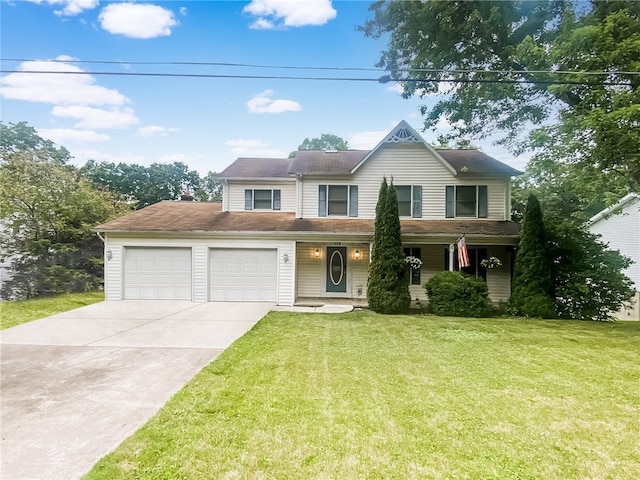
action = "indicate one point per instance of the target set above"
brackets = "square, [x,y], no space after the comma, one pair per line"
[73,386]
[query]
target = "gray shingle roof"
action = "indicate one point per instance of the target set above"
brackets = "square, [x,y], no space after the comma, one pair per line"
[475,161]
[342,162]
[172,216]
[258,168]
[319,162]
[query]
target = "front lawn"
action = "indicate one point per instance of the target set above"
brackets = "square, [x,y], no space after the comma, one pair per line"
[362,395]
[15,313]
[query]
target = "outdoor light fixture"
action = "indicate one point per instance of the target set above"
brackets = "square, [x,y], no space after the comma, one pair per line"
[317,253]
[109,255]
[357,253]
[285,257]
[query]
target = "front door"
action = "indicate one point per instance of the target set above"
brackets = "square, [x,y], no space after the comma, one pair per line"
[336,269]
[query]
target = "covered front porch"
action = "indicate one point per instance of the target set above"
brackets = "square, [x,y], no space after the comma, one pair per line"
[331,272]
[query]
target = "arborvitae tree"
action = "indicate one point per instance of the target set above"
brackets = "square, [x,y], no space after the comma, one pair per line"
[388,282]
[532,288]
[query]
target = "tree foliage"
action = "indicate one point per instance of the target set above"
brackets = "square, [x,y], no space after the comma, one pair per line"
[22,138]
[144,186]
[326,141]
[588,282]
[209,188]
[532,288]
[503,58]
[388,281]
[47,211]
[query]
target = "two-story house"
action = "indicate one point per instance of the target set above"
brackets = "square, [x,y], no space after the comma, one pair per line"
[299,229]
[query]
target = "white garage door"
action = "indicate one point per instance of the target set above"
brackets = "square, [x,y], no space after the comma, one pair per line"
[242,275]
[157,273]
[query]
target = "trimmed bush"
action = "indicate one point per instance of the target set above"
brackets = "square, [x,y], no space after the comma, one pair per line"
[457,294]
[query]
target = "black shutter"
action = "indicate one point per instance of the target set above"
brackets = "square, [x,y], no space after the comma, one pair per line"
[417,201]
[482,201]
[322,200]
[450,201]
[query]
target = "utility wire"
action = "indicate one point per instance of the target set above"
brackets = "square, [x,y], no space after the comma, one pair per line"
[383,79]
[292,67]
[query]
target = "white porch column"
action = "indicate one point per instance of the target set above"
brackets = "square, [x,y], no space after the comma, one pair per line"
[452,248]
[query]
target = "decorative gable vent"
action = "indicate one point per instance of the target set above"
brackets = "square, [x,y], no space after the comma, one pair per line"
[403,135]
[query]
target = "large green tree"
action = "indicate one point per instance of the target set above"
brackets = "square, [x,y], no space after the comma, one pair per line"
[532,287]
[388,281]
[47,211]
[588,282]
[566,70]
[144,186]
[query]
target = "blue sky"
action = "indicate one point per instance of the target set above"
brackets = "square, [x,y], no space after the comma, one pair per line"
[204,122]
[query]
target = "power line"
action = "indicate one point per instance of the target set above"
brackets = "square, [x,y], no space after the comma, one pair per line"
[383,79]
[299,67]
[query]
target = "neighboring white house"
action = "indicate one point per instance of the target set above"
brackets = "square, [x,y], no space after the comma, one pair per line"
[291,230]
[619,226]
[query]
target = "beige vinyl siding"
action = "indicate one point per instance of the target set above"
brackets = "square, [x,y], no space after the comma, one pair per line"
[236,194]
[499,279]
[113,271]
[311,270]
[408,165]
[286,273]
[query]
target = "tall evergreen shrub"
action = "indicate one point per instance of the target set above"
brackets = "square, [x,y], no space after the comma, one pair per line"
[388,282]
[532,288]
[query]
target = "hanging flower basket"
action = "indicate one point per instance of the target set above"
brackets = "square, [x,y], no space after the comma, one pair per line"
[413,262]
[491,263]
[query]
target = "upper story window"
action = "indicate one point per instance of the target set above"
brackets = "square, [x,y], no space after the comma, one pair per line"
[466,201]
[339,200]
[409,200]
[258,199]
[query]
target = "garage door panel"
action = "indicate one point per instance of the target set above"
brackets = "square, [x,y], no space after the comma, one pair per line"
[243,275]
[157,273]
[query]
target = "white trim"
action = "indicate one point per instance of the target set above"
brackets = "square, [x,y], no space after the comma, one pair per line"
[405,126]
[629,198]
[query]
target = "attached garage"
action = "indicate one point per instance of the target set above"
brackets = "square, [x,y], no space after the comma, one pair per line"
[154,273]
[243,275]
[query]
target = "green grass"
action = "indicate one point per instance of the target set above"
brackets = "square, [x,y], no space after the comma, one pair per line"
[15,313]
[362,395]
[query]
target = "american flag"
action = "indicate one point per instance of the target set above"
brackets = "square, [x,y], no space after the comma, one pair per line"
[463,254]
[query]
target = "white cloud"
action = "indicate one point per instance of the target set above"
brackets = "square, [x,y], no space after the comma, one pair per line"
[76,88]
[292,13]
[263,103]
[253,148]
[153,130]
[183,11]
[396,88]
[137,20]
[366,140]
[71,7]
[262,24]
[91,117]
[64,135]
